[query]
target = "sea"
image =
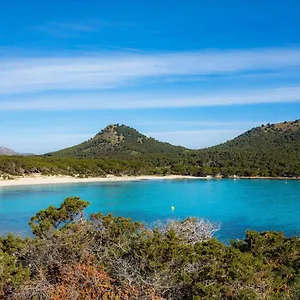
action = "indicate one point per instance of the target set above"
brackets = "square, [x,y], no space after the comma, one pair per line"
[233,205]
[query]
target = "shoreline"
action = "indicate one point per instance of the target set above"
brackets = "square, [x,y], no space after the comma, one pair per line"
[44,180]
[268,178]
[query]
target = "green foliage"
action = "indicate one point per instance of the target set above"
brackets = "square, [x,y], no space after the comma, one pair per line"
[117,141]
[280,253]
[53,218]
[267,151]
[12,271]
[20,165]
[271,150]
[144,262]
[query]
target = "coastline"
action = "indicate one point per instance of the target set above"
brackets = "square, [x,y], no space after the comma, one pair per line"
[57,179]
[270,178]
[40,180]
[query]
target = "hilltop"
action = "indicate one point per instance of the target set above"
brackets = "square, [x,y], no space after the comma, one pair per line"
[284,134]
[267,150]
[271,150]
[117,140]
[7,151]
[10,152]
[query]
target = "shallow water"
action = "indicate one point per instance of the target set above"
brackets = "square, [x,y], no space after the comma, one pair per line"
[237,205]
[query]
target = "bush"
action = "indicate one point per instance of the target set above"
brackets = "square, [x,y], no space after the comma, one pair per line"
[111,257]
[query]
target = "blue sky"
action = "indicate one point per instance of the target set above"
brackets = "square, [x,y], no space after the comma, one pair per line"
[194,73]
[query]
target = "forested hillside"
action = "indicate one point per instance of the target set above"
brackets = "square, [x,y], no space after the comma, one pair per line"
[269,150]
[117,140]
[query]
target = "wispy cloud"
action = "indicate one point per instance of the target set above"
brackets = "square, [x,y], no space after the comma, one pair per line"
[77,28]
[65,30]
[145,101]
[62,28]
[103,71]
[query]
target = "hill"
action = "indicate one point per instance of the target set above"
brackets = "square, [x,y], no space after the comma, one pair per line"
[268,150]
[117,140]
[271,150]
[286,134]
[7,151]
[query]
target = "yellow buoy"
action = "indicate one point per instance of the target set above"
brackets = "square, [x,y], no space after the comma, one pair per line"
[172,207]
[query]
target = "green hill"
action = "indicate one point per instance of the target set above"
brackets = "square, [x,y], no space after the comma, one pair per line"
[268,150]
[285,135]
[117,140]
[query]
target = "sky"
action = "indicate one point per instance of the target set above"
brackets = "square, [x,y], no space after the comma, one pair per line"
[192,73]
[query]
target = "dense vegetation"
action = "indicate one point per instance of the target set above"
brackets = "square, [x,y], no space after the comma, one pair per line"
[20,165]
[268,150]
[117,140]
[107,257]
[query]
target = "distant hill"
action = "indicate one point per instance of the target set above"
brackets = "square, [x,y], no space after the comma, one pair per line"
[271,150]
[268,150]
[118,140]
[7,151]
[286,134]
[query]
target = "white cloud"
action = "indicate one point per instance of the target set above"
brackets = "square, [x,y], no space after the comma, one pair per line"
[63,29]
[102,71]
[76,28]
[148,100]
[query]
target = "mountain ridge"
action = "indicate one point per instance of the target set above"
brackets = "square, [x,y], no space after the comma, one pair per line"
[267,150]
[271,150]
[7,151]
[267,131]
[115,140]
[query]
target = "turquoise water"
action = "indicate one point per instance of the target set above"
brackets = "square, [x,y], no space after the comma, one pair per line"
[237,205]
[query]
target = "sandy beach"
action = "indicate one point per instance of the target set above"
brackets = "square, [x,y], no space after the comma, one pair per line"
[37,180]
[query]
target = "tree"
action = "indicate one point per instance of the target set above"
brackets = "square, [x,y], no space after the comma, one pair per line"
[52,218]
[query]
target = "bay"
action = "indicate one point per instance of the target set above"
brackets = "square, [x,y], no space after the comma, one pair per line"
[237,205]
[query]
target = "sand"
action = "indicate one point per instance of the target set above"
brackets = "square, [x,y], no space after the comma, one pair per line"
[59,179]
[37,180]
